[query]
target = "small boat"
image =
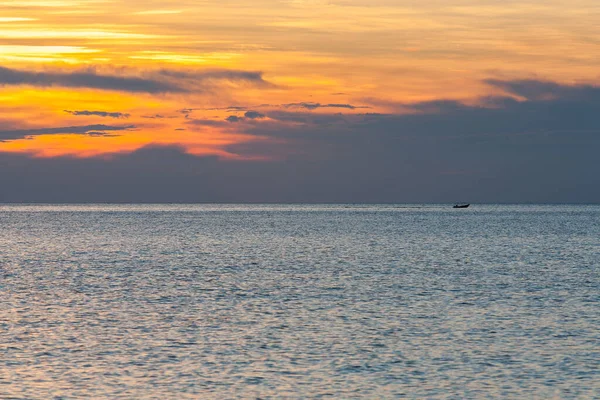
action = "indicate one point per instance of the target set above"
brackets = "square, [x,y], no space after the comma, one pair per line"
[461,205]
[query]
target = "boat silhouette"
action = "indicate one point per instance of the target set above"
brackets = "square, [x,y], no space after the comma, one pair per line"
[461,205]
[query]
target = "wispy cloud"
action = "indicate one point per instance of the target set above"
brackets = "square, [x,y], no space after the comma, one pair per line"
[234,118]
[314,106]
[207,76]
[162,81]
[99,114]
[93,130]
[254,115]
[544,90]
[85,79]
[159,116]
[515,150]
[248,115]
[206,122]
[275,108]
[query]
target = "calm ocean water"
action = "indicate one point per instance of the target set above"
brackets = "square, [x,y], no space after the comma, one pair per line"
[285,301]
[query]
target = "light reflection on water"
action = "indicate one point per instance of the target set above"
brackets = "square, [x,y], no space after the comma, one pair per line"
[343,301]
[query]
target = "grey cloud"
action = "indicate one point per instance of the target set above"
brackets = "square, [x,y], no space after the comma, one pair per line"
[505,150]
[307,117]
[254,115]
[254,77]
[229,108]
[545,90]
[85,79]
[99,114]
[438,107]
[314,106]
[233,108]
[407,173]
[206,122]
[502,150]
[101,134]
[248,115]
[303,105]
[162,81]
[86,129]
[234,118]
[159,116]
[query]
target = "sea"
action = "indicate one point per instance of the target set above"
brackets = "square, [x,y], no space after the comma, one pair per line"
[341,301]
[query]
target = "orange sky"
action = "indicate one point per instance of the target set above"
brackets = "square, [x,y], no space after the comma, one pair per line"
[70,64]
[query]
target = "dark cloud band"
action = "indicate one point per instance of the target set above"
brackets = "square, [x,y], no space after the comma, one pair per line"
[163,81]
[99,114]
[86,129]
[85,79]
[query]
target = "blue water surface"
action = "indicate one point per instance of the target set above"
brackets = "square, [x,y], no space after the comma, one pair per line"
[299,301]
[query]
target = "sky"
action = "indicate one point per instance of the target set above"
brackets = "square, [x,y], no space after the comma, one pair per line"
[377,101]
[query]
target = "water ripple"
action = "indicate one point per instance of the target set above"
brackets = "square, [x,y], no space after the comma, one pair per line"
[285,301]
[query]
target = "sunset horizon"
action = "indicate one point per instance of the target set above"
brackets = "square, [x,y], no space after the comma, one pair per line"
[301,101]
[299,199]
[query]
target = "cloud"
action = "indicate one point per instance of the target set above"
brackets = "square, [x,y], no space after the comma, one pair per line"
[253,77]
[545,90]
[307,117]
[500,149]
[302,105]
[254,115]
[162,81]
[159,116]
[230,108]
[248,115]
[234,118]
[99,114]
[187,111]
[93,130]
[86,79]
[206,122]
[407,172]
[314,106]
[101,134]
[543,149]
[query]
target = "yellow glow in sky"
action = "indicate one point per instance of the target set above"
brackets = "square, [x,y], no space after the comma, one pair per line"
[365,53]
